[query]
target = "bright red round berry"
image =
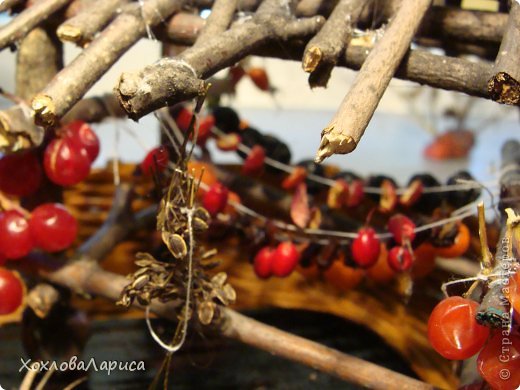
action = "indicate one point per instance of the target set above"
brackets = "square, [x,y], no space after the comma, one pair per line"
[82,135]
[65,162]
[453,330]
[402,228]
[215,199]
[365,248]
[183,119]
[11,292]
[286,258]
[499,361]
[20,174]
[52,227]
[263,262]
[15,237]
[400,258]
[156,160]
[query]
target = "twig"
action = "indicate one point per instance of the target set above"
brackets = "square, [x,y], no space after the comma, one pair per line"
[87,277]
[348,125]
[17,129]
[6,5]
[42,298]
[309,7]
[95,109]
[18,27]
[218,21]
[39,58]
[504,86]
[82,28]
[323,51]
[171,80]
[487,258]
[310,353]
[29,377]
[75,80]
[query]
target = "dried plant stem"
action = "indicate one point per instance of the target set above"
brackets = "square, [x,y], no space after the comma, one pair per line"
[346,367]
[82,28]
[504,86]
[171,80]
[39,58]
[343,133]
[18,27]
[75,80]
[487,258]
[323,51]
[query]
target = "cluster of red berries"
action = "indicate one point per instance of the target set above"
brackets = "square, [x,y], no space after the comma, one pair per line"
[280,261]
[66,161]
[50,228]
[454,333]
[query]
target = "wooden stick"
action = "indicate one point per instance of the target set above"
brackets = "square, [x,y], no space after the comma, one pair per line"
[219,20]
[171,80]
[6,5]
[310,353]
[504,86]
[39,58]
[18,27]
[82,28]
[17,129]
[343,133]
[75,80]
[323,51]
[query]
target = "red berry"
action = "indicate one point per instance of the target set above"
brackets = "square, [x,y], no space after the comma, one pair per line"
[365,248]
[453,330]
[82,135]
[400,259]
[11,292]
[402,228]
[52,227]
[499,361]
[183,119]
[15,237]
[65,163]
[205,126]
[20,174]
[236,73]
[215,199]
[263,262]
[259,78]
[298,175]
[254,161]
[356,193]
[156,160]
[286,258]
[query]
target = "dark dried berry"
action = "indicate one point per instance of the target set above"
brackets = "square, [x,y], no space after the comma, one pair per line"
[226,119]
[250,138]
[312,168]
[460,198]
[376,182]
[276,149]
[428,201]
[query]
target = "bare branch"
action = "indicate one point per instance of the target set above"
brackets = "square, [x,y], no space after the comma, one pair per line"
[219,20]
[504,86]
[39,58]
[82,28]
[75,80]
[322,51]
[42,298]
[17,129]
[345,130]
[18,27]
[310,353]
[171,80]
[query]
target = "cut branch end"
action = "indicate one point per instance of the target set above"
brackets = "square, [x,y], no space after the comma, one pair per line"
[504,88]
[44,110]
[333,142]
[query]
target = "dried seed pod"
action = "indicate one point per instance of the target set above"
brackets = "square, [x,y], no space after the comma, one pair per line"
[176,245]
[202,213]
[219,279]
[206,311]
[199,225]
[230,293]
[140,282]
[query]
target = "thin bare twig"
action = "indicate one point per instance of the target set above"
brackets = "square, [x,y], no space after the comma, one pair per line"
[82,28]
[218,21]
[75,80]
[343,133]
[504,86]
[323,51]
[18,27]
